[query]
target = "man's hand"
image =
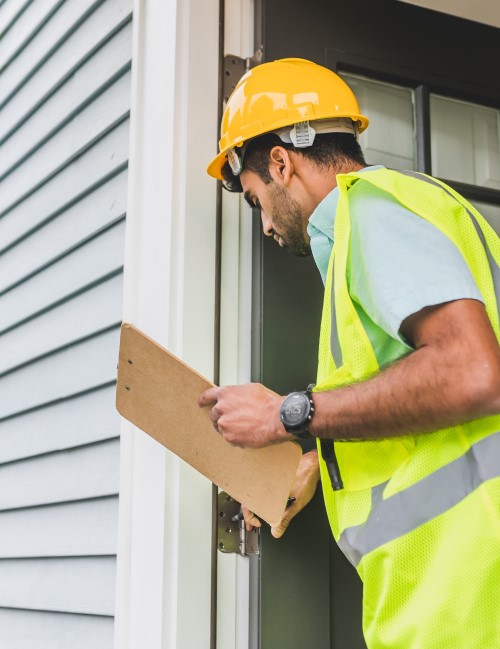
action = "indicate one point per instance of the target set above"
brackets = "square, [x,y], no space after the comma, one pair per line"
[303,490]
[246,415]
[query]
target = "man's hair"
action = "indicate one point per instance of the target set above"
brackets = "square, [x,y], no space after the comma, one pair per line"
[329,150]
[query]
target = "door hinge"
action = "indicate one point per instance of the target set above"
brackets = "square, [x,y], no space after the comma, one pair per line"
[235,67]
[232,535]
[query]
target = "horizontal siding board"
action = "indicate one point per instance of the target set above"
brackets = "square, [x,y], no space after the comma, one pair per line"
[101,160]
[84,419]
[61,287]
[31,83]
[26,25]
[65,100]
[32,190]
[77,474]
[11,12]
[61,27]
[69,371]
[74,585]
[71,529]
[96,119]
[98,258]
[90,311]
[40,630]
[91,214]
[96,73]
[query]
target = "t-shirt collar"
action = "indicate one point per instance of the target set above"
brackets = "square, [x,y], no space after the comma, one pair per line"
[323,217]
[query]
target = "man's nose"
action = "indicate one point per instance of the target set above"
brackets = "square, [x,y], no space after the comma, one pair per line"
[267,225]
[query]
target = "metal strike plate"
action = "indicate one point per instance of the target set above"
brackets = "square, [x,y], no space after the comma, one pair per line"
[232,536]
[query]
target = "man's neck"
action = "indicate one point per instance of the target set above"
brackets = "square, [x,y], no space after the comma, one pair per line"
[323,181]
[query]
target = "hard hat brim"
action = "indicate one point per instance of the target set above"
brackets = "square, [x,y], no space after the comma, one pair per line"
[214,169]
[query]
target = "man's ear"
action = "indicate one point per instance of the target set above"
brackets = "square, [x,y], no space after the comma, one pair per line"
[281,166]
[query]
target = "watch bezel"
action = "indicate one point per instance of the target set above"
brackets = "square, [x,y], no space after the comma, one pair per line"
[299,428]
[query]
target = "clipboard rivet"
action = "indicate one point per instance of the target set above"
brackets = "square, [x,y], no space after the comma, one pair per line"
[127,387]
[221,545]
[130,361]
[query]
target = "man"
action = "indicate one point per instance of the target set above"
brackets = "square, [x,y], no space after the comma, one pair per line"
[408,380]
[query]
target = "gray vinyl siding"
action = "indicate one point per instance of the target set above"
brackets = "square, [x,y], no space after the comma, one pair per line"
[64,122]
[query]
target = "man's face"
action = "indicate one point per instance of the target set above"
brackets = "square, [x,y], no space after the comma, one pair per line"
[283,217]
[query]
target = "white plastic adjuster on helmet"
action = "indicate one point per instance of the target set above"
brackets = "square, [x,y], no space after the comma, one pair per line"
[302,135]
[234,162]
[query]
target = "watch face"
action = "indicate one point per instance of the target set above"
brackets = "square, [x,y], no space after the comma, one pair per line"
[295,409]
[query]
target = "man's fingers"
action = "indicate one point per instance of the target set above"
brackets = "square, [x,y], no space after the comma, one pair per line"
[250,518]
[214,415]
[209,396]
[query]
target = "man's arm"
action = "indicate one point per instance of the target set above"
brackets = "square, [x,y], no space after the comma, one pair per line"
[453,376]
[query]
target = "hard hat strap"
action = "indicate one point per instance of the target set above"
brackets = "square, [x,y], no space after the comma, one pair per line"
[301,135]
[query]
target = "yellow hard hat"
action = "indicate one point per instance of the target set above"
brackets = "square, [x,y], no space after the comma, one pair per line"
[283,93]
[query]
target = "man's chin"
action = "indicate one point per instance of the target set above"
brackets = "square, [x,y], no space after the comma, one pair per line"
[303,251]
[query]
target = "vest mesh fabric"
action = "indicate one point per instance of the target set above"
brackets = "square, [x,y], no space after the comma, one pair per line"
[436,586]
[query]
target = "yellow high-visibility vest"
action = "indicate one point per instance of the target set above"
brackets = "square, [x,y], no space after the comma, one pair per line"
[419,516]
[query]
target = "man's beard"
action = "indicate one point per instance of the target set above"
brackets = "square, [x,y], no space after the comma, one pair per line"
[287,217]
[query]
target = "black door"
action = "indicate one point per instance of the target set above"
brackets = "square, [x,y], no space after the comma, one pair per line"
[425,79]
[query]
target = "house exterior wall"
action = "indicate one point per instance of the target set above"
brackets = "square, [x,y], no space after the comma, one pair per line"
[64,125]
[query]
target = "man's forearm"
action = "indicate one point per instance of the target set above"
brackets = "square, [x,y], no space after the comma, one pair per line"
[419,393]
[453,376]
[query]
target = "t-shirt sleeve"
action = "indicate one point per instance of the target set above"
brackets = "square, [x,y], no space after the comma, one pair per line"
[398,262]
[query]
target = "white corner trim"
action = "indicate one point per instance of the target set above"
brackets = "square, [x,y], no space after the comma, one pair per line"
[163,578]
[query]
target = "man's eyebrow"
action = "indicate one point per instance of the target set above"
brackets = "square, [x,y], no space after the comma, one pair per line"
[248,199]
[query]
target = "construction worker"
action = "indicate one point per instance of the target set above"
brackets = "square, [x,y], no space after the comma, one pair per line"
[408,383]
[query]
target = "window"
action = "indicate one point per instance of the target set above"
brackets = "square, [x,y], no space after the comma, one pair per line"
[390,139]
[465,142]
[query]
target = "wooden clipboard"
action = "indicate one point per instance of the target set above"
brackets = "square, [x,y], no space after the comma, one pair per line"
[158,393]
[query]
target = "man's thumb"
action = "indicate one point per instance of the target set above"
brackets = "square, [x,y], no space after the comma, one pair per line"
[278,530]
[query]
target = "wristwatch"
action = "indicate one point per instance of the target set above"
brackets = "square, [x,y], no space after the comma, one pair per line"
[296,412]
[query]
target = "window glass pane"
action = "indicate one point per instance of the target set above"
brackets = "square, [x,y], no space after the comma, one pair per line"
[465,142]
[491,213]
[389,139]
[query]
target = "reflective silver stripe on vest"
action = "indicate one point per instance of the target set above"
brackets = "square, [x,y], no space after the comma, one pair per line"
[434,495]
[495,269]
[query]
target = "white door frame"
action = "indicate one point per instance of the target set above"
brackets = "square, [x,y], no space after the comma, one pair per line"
[233,572]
